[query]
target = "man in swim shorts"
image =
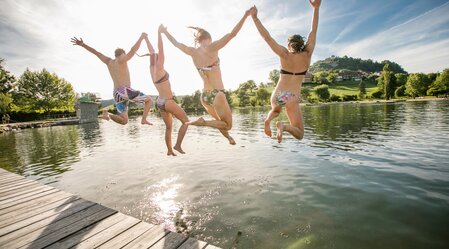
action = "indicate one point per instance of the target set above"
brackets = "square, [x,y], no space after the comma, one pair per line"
[123,93]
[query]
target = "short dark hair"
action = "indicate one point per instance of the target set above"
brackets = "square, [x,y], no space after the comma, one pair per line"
[118,52]
[297,43]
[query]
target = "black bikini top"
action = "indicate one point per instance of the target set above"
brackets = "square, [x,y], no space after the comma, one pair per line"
[164,78]
[290,73]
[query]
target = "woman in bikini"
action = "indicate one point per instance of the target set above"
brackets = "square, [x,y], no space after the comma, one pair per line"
[295,61]
[205,58]
[165,103]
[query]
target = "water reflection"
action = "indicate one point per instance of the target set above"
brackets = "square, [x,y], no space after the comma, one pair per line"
[376,170]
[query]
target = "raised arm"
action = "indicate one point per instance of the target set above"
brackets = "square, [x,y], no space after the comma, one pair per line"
[149,46]
[160,46]
[311,39]
[134,48]
[81,43]
[219,44]
[277,49]
[186,49]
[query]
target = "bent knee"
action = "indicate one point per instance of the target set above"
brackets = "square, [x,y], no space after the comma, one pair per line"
[124,121]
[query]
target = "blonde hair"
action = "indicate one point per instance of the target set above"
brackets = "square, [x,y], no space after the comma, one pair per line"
[200,34]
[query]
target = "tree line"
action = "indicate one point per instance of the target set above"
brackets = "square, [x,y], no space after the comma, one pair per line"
[35,91]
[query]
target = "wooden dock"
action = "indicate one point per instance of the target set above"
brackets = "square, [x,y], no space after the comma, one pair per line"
[34,215]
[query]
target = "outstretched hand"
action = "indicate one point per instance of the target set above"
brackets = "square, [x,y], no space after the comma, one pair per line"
[315,3]
[162,29]
[253,12]
[77,41]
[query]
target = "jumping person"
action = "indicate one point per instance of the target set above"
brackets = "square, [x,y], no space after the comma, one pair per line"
[295,61]
[165,103]
[206,60]
[123,93]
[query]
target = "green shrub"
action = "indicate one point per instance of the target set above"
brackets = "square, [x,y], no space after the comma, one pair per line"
[322,91]
[335,98]
[349,97]
[400,91]
[377,94]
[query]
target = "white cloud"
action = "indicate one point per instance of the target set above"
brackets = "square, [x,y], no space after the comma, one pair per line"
[417,44]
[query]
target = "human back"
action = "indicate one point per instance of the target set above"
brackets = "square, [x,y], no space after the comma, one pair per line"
[294,63]
[207,62]
[119,73]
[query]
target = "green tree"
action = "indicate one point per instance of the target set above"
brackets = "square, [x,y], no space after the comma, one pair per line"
[417,84]
[262,96]
[322,91]
[362,90]
[331,77]
[321,77]
[245,91]
[401,79]
[387,81]
[400,91]
[274,76]
[6,85]
[43,91]
[441,84]
[305,93]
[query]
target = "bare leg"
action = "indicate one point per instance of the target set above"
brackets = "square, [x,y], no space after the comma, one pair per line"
[225,111]
[180,114]
[122,118]
[105,115]
[296,126]
[217,124]
[146,109]
[280,129]
[167,117]
[226,135]
[275,110]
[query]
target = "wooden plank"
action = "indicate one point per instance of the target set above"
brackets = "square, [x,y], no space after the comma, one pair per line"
[87,232]
[109,233]
[127,236]
[148,238]
[31,211]
[192,243]
[51,230]
[10,178]
[5,187]
[170,241]
[211,247]
[59,208]
[16,188]
[24,192]
[37,192]
[41,201]
[61,232]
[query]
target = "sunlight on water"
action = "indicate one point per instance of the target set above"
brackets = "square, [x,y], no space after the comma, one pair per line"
[365,176]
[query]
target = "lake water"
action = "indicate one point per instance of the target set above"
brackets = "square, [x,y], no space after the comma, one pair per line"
[364,176]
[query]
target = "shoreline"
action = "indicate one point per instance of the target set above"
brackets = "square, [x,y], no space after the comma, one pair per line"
[4,128]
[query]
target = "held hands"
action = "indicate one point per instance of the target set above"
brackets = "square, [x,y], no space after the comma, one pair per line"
[77,41]
[144,36]
[315,3]
[253,12]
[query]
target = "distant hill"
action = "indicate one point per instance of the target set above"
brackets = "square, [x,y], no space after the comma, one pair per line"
[353,64]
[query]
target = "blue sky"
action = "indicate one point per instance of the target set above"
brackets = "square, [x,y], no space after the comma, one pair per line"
[36,34]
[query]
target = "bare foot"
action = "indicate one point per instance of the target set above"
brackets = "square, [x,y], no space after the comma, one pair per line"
[267,128]
[280,129]
[171,153]
[105,115]
[145,122]
[179,149]
[231,140]
[198,122]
